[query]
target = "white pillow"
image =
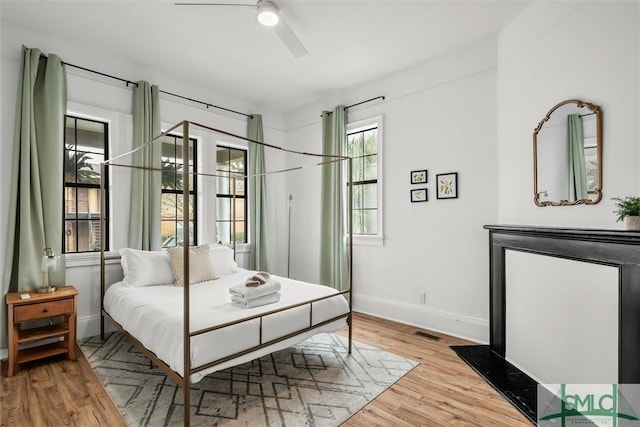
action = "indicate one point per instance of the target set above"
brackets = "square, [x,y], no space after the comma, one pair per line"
[222,259]
[145,268]
[200,268]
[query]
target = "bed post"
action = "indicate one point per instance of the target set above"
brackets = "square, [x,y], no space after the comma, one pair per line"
[103,207]
[186,238]
[350,228]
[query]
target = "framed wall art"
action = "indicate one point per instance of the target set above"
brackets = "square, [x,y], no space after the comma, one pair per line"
[447,185]
[419,177]
[419,195]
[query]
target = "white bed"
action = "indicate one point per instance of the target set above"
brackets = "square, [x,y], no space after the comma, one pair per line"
[152,312]
[153,315]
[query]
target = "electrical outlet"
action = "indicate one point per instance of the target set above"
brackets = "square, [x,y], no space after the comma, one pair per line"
[423,297]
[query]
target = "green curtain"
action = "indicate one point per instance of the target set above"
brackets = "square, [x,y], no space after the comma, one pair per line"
[36,194]
[576,171]
[258,259]
[334,264]
[144,222]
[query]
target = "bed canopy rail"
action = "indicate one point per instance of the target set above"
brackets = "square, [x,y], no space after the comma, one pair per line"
[184,379]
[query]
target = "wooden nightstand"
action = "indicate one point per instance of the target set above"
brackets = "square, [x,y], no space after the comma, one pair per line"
[62,302]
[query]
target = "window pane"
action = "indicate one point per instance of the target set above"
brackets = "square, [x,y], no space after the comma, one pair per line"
[223,185]
[88,235]
[70,236]
[169,175]
[70,132]
[358,195]
[239,180]
[357,222]
[94,202]
[168,148]
[87,167]
[236,161]
[169,208]
[358,173]
[370,167]
[370,221]
[90,135]
[70,202]
[370,144]
[69,164]
[192,211]
[223,231]
[82,202]
[222,159]
[370,196]
[169,233]
[354,144]
[239,209]
[223,209]
[240,232]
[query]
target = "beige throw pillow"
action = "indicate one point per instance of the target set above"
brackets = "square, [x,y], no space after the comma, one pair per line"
[200,268]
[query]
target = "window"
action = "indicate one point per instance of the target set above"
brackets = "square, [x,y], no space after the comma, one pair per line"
[364,146]
[85,147]
[231,162]
[171,217]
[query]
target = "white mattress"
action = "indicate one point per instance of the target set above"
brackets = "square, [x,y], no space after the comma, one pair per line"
[153,315]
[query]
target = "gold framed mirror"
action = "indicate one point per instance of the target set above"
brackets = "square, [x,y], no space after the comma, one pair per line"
[567,155]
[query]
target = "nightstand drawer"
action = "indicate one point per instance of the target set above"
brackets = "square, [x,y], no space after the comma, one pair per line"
[42,310]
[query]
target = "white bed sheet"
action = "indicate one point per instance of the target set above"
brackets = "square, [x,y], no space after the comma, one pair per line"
[153,315]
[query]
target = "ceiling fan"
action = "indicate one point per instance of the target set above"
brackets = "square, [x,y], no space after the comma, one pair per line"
[268,14]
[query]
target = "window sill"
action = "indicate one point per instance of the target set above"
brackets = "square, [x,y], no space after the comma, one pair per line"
[368,240]
[86,259]
[242,248]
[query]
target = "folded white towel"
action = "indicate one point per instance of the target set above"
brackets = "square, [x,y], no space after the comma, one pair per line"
[255,302]
[248,293]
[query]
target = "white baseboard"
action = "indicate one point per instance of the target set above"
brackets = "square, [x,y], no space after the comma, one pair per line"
[89,326]
[467,327]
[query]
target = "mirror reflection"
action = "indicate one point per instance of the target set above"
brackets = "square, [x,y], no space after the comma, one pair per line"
[567,155]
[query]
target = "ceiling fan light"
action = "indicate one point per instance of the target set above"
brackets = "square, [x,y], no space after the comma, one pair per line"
[267,14]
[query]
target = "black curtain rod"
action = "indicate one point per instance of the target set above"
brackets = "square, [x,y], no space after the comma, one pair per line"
[129,82]
[359,103]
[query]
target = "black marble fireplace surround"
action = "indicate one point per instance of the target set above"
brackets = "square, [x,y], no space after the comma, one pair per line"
[616,248]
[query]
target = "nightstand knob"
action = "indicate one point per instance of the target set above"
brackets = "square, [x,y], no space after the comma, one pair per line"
[45,310]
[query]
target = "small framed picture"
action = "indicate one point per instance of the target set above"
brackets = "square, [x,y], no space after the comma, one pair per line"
[419,195]
[447,185]
[419,177]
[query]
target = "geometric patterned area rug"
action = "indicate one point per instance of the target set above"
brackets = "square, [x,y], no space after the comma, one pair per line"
[314,383]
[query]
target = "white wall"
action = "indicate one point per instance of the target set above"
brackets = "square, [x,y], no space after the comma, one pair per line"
[551,52]
[439,116]
[568,50]
[110,100]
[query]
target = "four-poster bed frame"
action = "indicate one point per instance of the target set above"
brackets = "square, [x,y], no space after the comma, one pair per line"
[188,370]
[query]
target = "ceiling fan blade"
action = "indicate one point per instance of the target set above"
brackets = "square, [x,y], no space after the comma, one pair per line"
[290,39]
[214,4]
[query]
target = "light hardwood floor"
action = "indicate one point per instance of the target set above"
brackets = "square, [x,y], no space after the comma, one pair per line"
[441,391]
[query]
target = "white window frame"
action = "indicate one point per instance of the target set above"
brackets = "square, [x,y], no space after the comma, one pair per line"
[373,239]
[83,111]
[240,247]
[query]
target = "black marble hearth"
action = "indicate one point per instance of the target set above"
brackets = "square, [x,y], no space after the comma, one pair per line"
[516,386]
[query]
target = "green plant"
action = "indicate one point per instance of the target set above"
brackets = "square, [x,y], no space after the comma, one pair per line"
[627,206]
